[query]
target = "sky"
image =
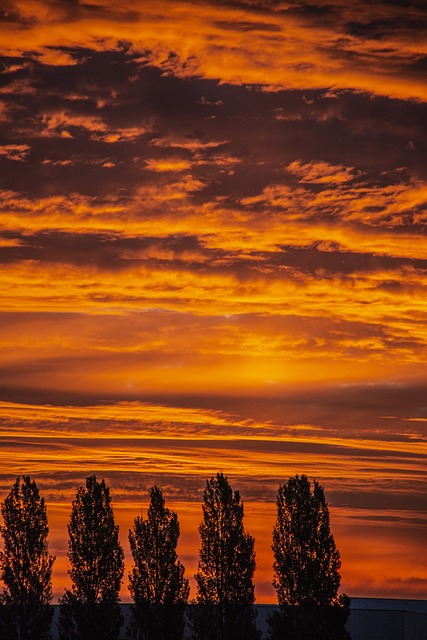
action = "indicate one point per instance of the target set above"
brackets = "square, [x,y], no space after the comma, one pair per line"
[213,257]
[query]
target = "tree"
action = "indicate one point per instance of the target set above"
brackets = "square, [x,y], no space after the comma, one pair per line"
[306,565]
[156,582]
[91,610]
[25,564]
[225,588]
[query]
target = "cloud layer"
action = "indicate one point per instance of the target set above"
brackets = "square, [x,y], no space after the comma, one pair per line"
[213,257]
[135,445]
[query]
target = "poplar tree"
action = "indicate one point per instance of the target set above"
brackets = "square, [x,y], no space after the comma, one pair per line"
[25,564]
[156,582]
[225,587]
[90,610]
[306,565]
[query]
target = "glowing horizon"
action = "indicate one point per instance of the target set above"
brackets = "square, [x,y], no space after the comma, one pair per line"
[178,448]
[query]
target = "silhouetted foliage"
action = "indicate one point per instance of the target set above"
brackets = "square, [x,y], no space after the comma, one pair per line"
[306,567]
[91,610]
[156,582]
[25,565]
[225,588]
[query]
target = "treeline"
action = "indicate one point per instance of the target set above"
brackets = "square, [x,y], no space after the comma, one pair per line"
[306,568]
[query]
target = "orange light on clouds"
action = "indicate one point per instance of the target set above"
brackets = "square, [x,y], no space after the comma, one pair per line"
[209,40]
[213,258]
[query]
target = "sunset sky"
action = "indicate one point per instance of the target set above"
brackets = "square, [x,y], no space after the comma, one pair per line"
[213,257]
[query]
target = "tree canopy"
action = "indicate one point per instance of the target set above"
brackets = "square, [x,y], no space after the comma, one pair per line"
[91,607]
[224,578]
[156,582]
[25,564]
[307,562]
[226,557]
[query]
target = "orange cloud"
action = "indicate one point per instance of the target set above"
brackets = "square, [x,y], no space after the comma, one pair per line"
[165,164]
[15,151]
[321,172]
[193,144]
[62,123]
[340,207]
[285,50]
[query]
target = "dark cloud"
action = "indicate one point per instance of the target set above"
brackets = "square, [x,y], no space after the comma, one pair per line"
[350,129]
[248,26]
[323,14]
[346,407]
[9,14]
[112,252]
[405,502]
[380,29]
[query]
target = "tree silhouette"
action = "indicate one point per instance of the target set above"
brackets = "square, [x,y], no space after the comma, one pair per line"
[306,566]
[225,588]
[91,610]
[25,565]
[156,582]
